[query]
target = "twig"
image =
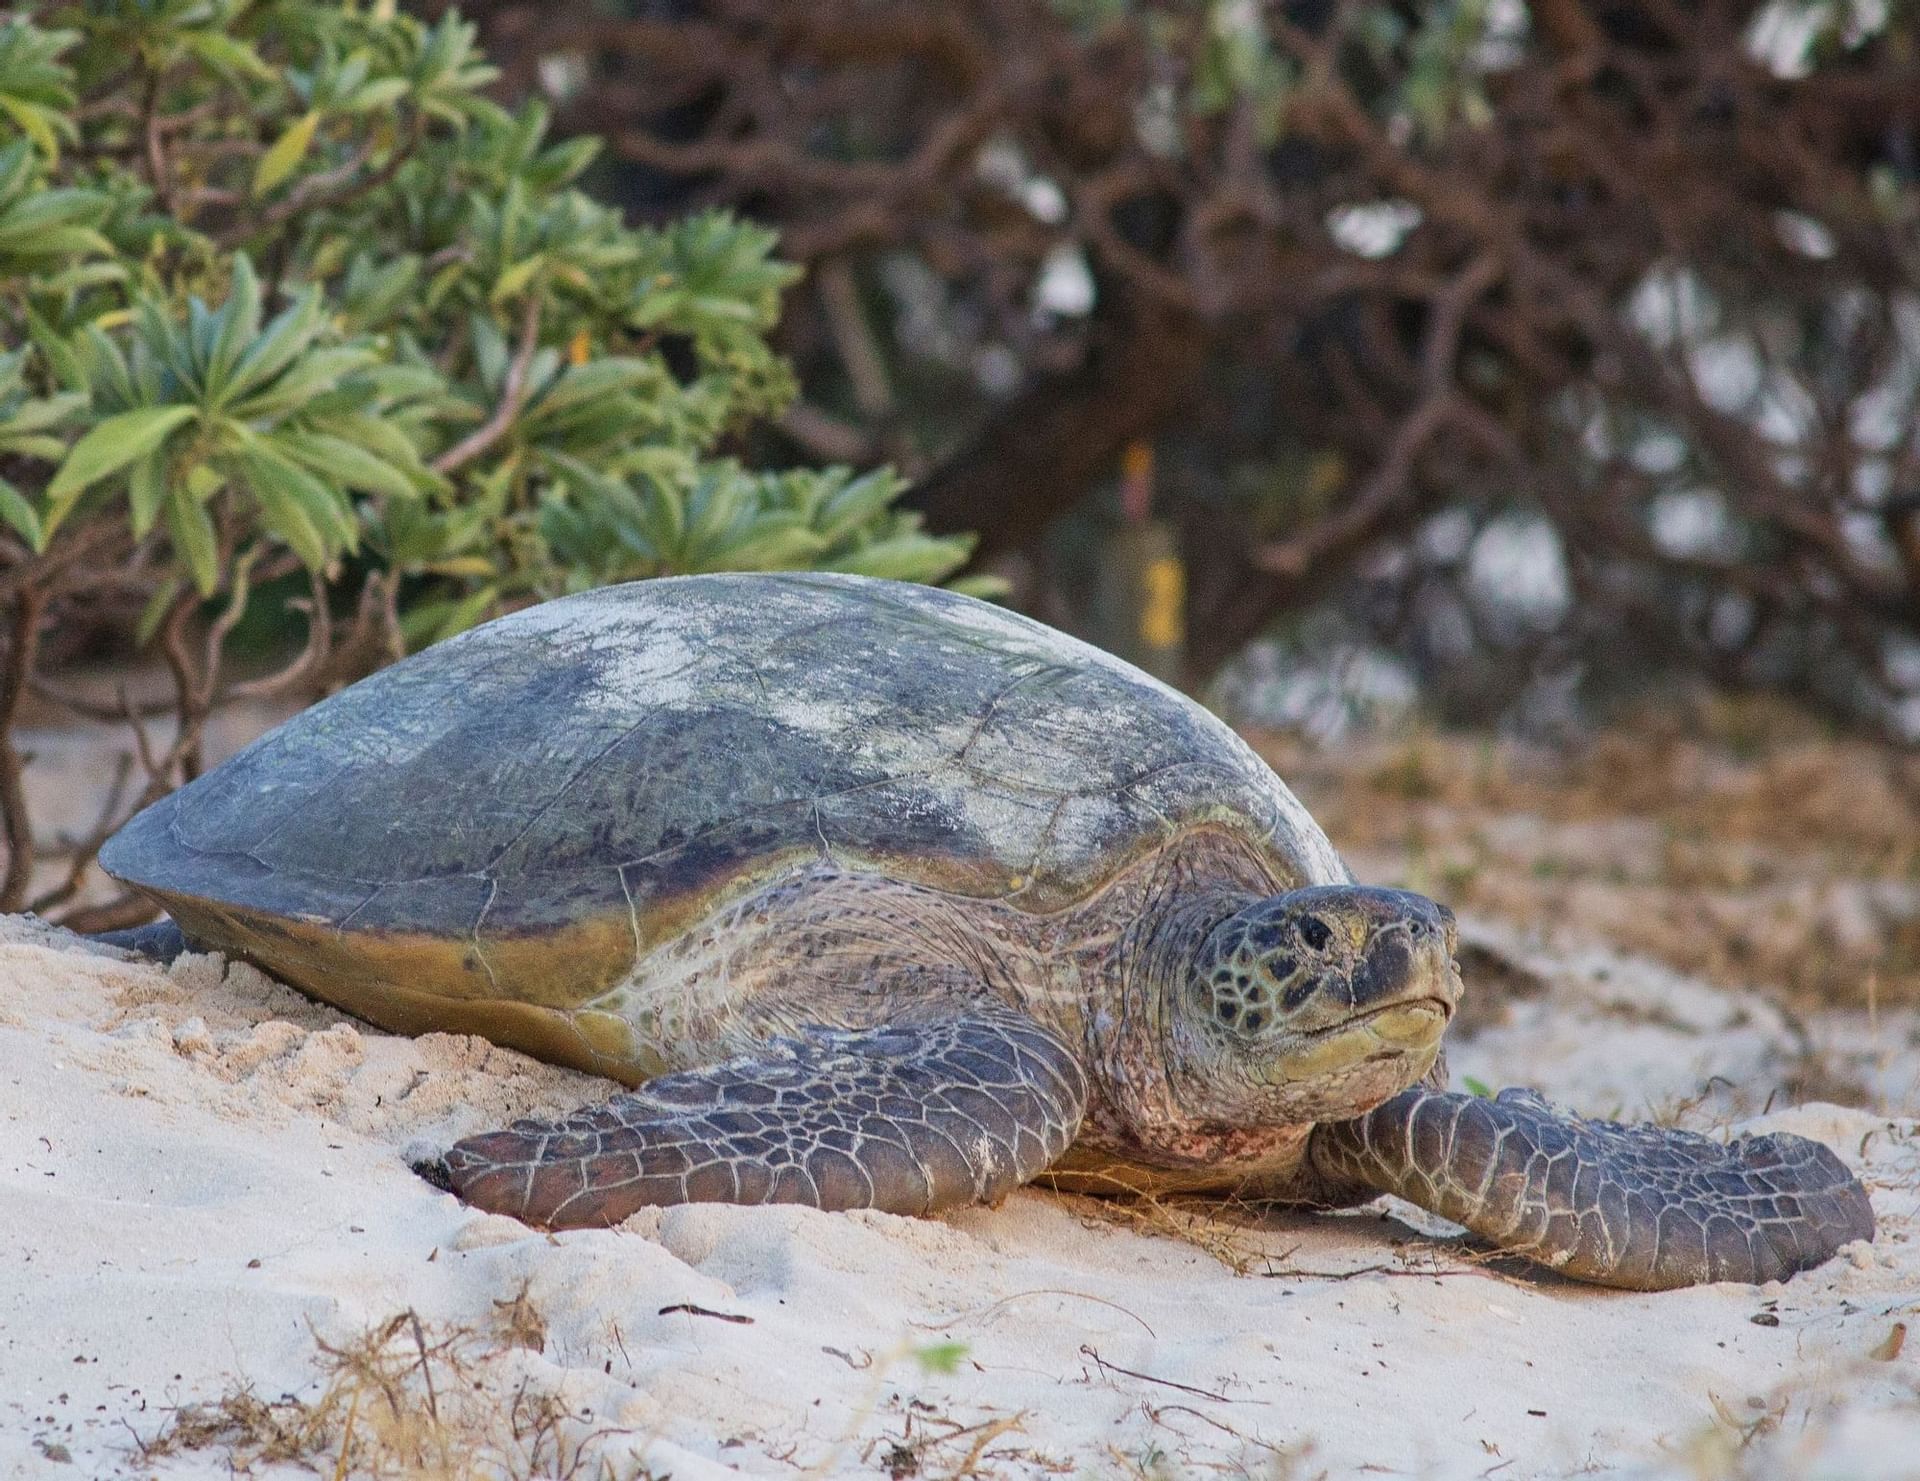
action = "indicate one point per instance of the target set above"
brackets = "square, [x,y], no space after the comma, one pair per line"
[190,691]
[1439,403]
[426,1368]
[143,747]
[90,709]
[312,654]
[129,909]
[1221,1425]
[719,1316]
[156,149]
[339,186]
[242,583]
[139,1444]
[346,1434]
[21,645]
[88,846]
[989,1432]
[1360,1270]
[433,1400]
[860,353]
[989,1309]
[1087,1350]
[512,394]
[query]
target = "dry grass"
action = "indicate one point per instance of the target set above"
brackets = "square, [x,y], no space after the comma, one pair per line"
[1738,843]
[1208,1224]
[408,1400]
[1795,1429]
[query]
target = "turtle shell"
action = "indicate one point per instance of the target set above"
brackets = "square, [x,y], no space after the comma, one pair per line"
[519,813]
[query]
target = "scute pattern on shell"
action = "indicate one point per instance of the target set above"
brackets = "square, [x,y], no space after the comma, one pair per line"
[638,749]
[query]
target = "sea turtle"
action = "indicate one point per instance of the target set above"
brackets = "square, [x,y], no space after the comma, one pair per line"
[886,897]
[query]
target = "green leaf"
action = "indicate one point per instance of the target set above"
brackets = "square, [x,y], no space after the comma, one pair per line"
[239,321]
[43,209]
[37,415]
[227,54]
[905,558]
[343,461]
[18,513]
[42,445]
[53,242]
[104,365]
[147,491]
[664,509]
[779,548]
[284,157]
[155,611]
[312,374]
[851,506]
[466,613]
[279,344]
[940,1357]
[433,622]
[203,482]
[382,92]
[81,275]
[285,518]
[385,441]
[580,385]
[517,277]
[107,449]
[41,125]
[16,167]
[987,588]
[313,518]
[1477,1087]
[716,501]
[195,540]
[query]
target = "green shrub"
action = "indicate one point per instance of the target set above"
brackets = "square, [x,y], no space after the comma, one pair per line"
[288,298]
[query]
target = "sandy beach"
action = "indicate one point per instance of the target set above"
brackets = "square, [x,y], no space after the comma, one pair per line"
[215,1256]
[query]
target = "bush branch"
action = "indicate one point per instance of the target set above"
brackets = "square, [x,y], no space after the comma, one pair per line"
[512,395]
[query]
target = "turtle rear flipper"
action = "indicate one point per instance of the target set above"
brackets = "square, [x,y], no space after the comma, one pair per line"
[907,1119]
[161,941]
[1640,1207]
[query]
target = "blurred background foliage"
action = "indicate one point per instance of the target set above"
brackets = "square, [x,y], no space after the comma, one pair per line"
[1518,360]
[1522,364]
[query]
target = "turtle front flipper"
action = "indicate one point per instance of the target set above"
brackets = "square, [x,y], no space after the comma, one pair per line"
[907,1119]
[1644,1208]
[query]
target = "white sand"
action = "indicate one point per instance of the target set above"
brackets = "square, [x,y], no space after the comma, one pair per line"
[200,1170]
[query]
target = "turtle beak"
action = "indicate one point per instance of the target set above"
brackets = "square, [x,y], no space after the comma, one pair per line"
[1409,960]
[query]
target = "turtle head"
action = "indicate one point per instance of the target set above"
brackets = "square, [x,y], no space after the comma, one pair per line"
[1317,1004]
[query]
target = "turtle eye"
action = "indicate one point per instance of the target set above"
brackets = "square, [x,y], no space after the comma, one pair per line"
[1314,932]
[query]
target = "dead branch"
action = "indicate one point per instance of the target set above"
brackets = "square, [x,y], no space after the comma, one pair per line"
[1440,403]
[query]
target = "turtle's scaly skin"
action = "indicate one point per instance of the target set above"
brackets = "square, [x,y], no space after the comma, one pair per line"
[911,1118]
[891,899]
[1640,1207]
